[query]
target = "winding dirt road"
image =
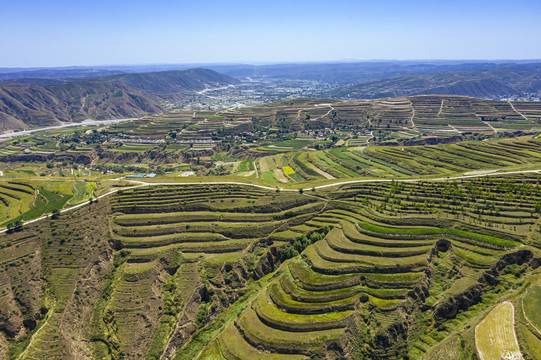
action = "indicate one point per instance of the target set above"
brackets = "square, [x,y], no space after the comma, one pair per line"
[142,183]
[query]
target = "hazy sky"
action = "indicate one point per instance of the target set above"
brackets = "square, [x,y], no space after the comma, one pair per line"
[98,32]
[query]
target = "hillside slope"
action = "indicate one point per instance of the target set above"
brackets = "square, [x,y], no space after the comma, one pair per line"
[23,105]
[517,80]
[26,103]
[238,272]
[170,82]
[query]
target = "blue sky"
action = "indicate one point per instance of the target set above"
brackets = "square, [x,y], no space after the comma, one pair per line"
[99,32]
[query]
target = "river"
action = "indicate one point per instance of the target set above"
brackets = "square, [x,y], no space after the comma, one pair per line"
[82,123]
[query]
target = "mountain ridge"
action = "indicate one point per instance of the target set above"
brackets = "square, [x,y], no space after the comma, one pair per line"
[174,81]
[38,103]
[486,84]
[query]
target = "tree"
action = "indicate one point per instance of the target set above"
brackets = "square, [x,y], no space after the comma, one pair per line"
[289,253]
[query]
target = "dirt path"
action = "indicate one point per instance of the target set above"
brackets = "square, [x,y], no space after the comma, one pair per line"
[370,138]
[454,128]
[327,113]
[34,336]
[412,114]
[490,126]
[515,110]
[528,320]
[255,168]
[82,204]
[168,353]
[441,107]
[142,183]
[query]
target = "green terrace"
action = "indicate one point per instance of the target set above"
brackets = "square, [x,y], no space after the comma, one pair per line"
[355,257]
[398,162]
[310,301]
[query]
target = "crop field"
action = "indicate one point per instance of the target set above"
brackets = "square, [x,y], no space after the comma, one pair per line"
[312,298]
[28,200]
[244,271]
[288,145]
[495,336]
[396,162]
[528,322]
[176,268]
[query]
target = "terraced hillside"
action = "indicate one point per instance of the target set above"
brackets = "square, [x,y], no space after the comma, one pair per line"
[426,113]
[368,270]
[26,200]
[52,276]
[200,141]
[367,277]
[203,219]
[400,162]
[176,242]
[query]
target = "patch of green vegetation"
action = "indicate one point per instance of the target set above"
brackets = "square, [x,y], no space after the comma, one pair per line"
[430,231]
[246,165]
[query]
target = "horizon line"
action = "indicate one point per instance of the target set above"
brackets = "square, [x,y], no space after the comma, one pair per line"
[263,63]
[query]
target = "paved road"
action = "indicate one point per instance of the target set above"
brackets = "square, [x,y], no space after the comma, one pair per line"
[143,183]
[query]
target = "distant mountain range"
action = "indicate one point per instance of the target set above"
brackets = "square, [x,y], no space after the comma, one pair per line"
[40,97]
[43,102]
[173,82]
[502,81]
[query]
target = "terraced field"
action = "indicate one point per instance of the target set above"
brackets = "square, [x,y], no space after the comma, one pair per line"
[156,126]
[204,219]
[367,270]
[400,162]
[358,267]
[46,271]
[195,229]
[21,201]
[405,268]
[15,199]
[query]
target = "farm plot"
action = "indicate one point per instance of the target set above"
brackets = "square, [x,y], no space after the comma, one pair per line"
[495,336]
[531,304]
[393,161]
[200,219]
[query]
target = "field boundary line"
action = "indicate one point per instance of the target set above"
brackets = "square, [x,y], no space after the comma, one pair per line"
[526,317]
